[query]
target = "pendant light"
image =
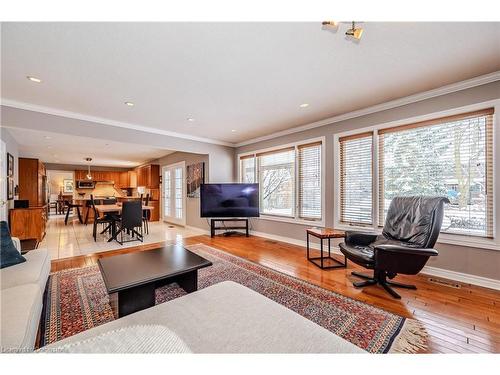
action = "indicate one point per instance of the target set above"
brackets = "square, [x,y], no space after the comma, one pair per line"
[354,33]
[89,176]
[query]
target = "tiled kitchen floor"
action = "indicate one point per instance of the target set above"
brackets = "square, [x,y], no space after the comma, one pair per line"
[74,239]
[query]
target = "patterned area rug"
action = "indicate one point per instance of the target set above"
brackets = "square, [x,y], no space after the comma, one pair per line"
[76,300]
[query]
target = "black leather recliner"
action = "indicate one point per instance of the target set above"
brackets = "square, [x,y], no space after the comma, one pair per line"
[411,229]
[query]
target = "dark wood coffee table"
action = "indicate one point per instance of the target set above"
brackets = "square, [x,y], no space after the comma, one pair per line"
[131,279]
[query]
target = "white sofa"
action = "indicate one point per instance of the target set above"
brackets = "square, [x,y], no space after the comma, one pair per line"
[21,300]
[223,318]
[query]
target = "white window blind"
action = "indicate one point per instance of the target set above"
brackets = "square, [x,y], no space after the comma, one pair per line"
[247,169]
[451,157]
[356,155]
[277,182]
[310,181]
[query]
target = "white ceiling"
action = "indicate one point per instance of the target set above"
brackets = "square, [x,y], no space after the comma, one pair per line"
[71,149]
[247,77]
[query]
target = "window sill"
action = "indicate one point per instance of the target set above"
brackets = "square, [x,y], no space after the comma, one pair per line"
[444,238]
[283,219]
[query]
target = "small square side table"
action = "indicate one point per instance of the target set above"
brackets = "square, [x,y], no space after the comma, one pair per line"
[322,234]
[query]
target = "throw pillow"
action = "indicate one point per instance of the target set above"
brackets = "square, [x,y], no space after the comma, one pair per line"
[9,256]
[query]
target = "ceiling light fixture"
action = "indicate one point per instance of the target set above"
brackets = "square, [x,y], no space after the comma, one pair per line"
[89,176]
[233,131]
[190,119]
[34,79]
[330,23]
[47,137]
[304,105]
[353,33]
[130,104]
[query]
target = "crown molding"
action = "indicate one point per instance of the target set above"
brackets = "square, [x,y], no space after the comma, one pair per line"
[454,87]
[105,121]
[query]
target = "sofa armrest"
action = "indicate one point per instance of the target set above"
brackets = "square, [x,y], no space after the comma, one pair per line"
[406,250]
[17,243]
[359,238]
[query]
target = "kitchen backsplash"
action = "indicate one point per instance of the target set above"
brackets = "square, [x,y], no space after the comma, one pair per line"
[101,190]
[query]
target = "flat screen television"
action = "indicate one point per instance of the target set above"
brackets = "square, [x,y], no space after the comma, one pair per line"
[229,200]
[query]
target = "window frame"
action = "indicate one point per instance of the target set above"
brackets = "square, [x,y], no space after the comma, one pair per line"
[296,219]
[445,238]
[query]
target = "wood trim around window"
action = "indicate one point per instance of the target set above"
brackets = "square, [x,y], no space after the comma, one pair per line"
[355,136]
[441,120]
[251,156]
[277,151]
[306,145]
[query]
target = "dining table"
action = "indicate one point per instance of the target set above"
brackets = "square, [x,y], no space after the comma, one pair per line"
[103,209]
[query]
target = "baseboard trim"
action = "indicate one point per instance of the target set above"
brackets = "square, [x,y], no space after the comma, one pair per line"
[462,277]
[427,270]
[197,229]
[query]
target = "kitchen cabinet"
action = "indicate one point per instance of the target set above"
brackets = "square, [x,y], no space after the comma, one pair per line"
[80,175]
[132,179]
[99,176]
[28,223]
[124,180]
[148,176]
[32,181]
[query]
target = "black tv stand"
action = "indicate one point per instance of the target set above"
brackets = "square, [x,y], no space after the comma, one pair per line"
[214,228]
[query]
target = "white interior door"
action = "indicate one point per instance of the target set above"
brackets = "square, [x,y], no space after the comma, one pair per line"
[3,182]
[174,193]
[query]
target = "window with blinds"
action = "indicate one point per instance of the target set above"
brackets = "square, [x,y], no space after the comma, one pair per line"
[356,182]
[290,180]
[247,169]
[451,157]
[310,181]
[276,171]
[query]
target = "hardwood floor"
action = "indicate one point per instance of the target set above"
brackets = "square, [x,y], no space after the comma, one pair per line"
[458,320]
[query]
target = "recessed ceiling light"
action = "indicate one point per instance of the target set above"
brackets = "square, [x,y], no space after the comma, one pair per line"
[34,79]
[233,131]
[130,104]
[47,137]
[304,105]
[190,119]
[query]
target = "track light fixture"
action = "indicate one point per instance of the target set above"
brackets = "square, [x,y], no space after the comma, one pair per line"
[353,32]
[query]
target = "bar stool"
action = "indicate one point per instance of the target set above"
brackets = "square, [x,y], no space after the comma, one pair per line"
[70,206]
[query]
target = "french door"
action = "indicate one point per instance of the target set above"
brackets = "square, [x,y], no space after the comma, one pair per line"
[3,182]
[174,193]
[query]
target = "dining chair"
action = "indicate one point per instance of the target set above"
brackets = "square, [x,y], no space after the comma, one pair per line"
[146,214]
[130,220]
[105,220]
[53,203]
